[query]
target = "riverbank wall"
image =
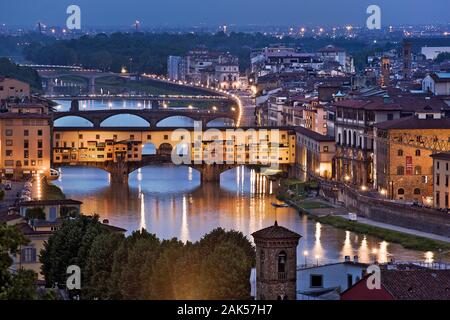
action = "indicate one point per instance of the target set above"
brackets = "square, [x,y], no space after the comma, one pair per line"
[402,215]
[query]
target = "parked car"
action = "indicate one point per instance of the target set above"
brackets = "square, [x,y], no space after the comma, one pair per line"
[8,185]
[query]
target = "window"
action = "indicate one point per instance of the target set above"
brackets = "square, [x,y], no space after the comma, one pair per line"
[438,199]
[282,257]
[9,153]
[97,136]
[39,154]
[325,149]
[400,170]
[349,280]
[9,143]
[39,133]
[8,132]
[437,165]
[446,180]
[149,137]
[166,137]
[26,154]
[446,200]
[418,170]
[80,136]
[400,153]
[401,191]
[390,116]
[25,144]
[57,136]
[316,281]
[438,179]
[26,133]
[28,255]
[417,153]
[39,144]
[417,191]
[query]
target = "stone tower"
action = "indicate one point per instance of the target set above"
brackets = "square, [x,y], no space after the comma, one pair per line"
[385,71]
[407,59]
[276,263]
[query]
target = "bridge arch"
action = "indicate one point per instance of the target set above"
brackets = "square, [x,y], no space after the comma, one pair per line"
[73,121]
[117,120]
[175,121]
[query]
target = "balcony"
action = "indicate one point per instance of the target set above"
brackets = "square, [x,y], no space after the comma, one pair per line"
[282,275]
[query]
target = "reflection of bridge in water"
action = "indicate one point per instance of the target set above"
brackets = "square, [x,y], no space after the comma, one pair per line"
[212,152]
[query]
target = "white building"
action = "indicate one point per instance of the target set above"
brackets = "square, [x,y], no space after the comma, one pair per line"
[437,83]
[175,68]
[324,282]
[431,53]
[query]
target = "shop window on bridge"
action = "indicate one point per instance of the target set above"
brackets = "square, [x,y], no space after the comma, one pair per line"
[400,170]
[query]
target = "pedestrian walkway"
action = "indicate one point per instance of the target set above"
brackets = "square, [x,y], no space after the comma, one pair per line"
[401,229]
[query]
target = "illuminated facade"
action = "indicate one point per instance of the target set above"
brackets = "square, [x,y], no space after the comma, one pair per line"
[25,147]
[404,167]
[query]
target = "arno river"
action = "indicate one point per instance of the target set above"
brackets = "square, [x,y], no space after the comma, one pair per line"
[171,202]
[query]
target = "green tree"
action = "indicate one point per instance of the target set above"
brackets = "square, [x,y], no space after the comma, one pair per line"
[443,56]
[69,245]
[99,265]
[21,285]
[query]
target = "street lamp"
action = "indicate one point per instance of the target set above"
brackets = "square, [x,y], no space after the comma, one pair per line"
[305,254]
[317,258]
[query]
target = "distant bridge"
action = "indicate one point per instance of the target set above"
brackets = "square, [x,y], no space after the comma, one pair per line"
[152,116]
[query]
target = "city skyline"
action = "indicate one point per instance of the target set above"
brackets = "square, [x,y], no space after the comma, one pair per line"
[262,12]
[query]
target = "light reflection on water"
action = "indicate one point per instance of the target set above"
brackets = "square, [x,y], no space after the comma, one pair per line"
[171,202]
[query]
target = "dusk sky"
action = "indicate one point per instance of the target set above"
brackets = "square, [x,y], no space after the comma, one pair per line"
[215,12]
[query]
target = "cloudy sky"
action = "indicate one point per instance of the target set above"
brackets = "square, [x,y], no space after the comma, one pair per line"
[215,12]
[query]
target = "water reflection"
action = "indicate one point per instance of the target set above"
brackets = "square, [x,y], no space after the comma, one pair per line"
[171,202]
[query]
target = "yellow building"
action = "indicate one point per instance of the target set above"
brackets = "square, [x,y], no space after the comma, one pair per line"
[314,154]
[404,168]
[12,88]
[25,144]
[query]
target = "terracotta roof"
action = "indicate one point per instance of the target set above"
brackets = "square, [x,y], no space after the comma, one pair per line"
[26,229]
[425,284]
[275,232]
[396,102]
[414,122]
[313,135]
[13,115]
[50,203]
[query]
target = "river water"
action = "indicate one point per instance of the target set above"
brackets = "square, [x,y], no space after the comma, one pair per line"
[170,201]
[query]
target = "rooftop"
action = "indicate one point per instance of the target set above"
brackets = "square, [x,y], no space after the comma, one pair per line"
[424,284]
[276,232]
[62,202]
[414,122]
[313,135]
[441,156]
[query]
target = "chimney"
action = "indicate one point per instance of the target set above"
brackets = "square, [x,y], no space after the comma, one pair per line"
[347,259]
[105,221]
[355,259]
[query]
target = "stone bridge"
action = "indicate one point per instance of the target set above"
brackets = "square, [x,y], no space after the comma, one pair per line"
[120,151]
[153,117]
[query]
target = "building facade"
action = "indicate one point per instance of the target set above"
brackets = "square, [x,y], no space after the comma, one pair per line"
[403,157]
[314,154]
[12,88]
[441,173]
[26,144]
